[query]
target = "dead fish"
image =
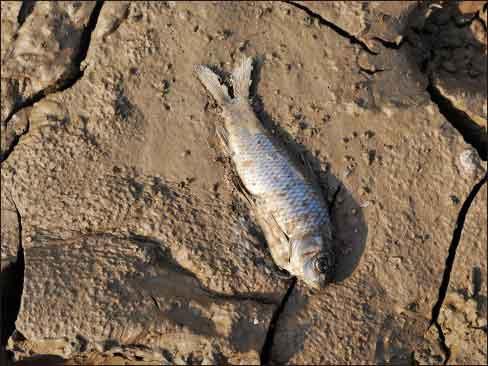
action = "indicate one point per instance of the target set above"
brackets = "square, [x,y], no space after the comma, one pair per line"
[288,201]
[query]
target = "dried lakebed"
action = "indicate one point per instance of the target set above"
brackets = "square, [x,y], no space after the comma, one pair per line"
[124,240]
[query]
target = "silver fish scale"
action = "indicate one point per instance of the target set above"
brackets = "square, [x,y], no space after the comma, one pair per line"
[269,175]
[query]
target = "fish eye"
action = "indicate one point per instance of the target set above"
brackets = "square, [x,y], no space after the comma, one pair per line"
[321,264]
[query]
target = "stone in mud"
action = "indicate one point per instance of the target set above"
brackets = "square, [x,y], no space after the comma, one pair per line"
[469,162]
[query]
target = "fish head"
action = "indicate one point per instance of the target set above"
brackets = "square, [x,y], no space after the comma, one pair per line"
[313,260]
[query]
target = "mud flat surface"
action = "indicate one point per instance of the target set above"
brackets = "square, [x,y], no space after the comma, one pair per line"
[124,240]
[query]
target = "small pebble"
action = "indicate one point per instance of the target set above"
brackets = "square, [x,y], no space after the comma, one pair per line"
[469,160]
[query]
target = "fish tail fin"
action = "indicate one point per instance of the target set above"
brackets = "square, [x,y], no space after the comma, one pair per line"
[241,79]
[211,82]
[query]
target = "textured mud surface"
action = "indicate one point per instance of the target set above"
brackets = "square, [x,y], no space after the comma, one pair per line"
[124,239]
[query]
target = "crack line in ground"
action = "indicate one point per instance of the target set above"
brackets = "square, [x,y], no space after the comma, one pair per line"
[60,85]
[390,44]
[265,355]
[25,10]
[331,25]
[472,133]
[456,238]
[442,337]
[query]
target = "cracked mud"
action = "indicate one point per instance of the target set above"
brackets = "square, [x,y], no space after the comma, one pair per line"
[124,240]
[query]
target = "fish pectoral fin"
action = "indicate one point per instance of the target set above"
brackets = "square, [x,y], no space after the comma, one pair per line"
[278,241]
[275,223]
[243,190]
[212,83]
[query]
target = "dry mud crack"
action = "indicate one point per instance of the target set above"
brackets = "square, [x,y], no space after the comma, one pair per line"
[136,247]
[340,31]
[456,237]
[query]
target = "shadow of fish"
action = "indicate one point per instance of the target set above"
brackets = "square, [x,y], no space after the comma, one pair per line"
[283,192]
